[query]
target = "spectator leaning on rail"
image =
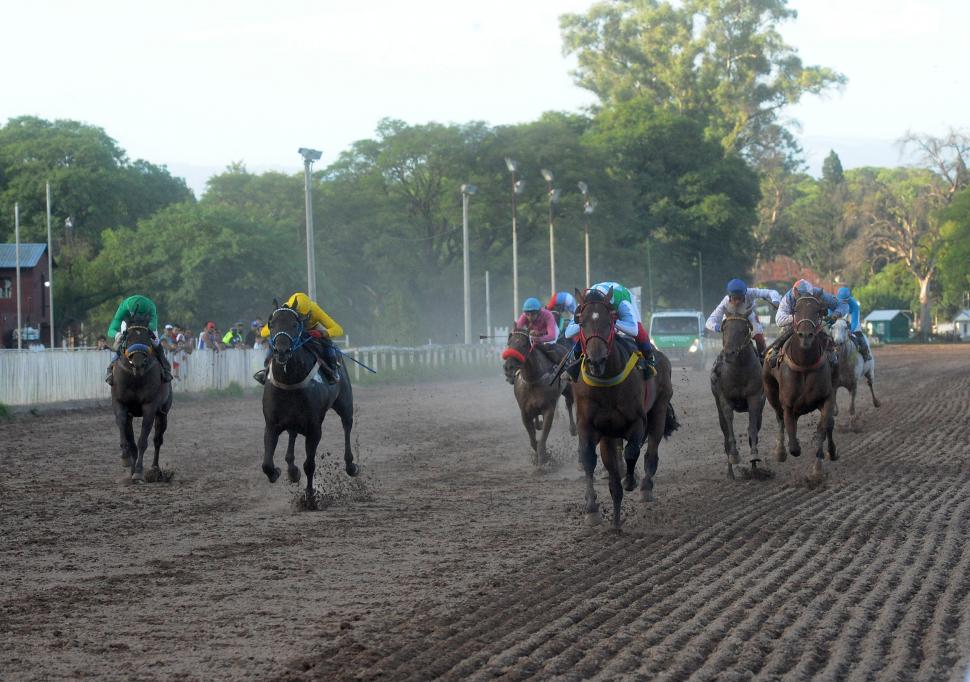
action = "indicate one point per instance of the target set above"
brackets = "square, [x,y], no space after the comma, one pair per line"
[139,308]
[233,338]
[740,301]
[321,328]
[253,335]
[786,313]
[209,338]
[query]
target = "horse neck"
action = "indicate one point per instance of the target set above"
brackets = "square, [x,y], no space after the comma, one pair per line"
[536,366]
[617,358]
[746,358]
[806,357]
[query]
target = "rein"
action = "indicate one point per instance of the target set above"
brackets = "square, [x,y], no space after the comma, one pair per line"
[516,354]
[747,338]
[295,343]
[136,347]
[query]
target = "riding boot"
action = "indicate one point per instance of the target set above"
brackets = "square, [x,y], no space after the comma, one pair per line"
[330,364]
[650,365]
[110,378]
[163,361]
[775,348]
[862,345]
[260,375]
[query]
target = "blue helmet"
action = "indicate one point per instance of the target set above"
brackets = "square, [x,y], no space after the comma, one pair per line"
[737,286]
[843,294]
[531,305]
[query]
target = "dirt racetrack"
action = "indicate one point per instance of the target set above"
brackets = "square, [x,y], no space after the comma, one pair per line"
[454,559]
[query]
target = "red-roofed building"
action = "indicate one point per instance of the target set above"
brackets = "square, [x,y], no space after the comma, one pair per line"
[34,295]
[782,272]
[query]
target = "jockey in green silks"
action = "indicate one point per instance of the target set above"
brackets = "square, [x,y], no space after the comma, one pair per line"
[137,307]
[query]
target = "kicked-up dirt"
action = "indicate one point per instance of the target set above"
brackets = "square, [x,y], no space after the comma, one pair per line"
[451,557]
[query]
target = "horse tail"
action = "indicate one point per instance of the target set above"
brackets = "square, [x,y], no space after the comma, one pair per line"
[670,421]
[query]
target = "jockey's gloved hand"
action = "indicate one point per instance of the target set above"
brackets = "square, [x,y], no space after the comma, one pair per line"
[717,326]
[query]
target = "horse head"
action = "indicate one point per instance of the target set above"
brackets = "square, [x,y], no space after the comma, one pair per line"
[286,327]
[808,319]
[139,345]
[596,318]
[736,333]
[840,331]
[517,349]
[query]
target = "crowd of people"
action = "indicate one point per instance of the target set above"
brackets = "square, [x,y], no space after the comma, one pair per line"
[180,338]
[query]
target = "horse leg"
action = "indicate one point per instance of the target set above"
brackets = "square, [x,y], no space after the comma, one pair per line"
[827,425]
[656,419]
[756,404]
[292,470]
[869,379]
[547,416]
[610,454]
[530,428]
[631,453]
[161,424]
[725,415]
[346,413]
[568,395]
[587,457]
[853,420]
[312,440]
[123,420]
[270,438]
[791,427]
[147,421]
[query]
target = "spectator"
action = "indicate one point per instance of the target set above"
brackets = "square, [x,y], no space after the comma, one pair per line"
[102,343]
[233,337]
[185,339]
[253,337]
[209,338]
[168,339]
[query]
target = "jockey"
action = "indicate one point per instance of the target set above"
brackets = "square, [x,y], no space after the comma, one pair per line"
[565,304]
[844,294]
[785,317]
[132,308]
[321,343]
[627,324]
[740,300]
[541,325]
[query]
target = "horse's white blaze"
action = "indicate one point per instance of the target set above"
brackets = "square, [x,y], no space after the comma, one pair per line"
[596,316]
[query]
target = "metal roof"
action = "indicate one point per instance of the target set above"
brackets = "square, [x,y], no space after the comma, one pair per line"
[30,255]
[963,316]
[884,315]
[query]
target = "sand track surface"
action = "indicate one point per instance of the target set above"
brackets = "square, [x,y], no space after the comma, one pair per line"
[453,558]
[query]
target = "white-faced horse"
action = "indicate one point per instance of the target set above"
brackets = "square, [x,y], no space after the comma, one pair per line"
[852,367]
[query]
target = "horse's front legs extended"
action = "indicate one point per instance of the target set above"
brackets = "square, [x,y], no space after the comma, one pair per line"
[587,457]
[292,470]
[271,437]
[147,421]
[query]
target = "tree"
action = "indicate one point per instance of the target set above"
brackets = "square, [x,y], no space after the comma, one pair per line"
[720,62]
[955,251]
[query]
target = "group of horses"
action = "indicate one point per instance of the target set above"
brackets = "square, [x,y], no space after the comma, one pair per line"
[802,381]
[619,407]
[296,399]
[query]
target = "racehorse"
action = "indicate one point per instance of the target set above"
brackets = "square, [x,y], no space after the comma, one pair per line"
[614,404]
[530,371]
[296,399]
[803,382]
[138,391]
[852,367]
[737,386]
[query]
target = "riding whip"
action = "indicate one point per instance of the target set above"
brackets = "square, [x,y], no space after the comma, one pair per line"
[350,357]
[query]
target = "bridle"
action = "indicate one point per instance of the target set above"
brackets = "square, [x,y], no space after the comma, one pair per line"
[515,353]
[136,348]
[584,339]
[295,342]
[809,320]
[747,338]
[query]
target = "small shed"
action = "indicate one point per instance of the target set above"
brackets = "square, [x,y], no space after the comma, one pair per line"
[961,324]
[889,325]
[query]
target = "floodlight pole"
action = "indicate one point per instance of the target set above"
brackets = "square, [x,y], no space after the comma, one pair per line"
[309,156]
[513,167]
[16,232]
[700,278]
[488,307]
[466,192]
[552,231]
[50,265]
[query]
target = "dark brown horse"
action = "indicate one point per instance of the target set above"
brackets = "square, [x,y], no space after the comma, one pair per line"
[737,386]
[802,383]
[614,404]
[529,371]
[296,399]
[138,391]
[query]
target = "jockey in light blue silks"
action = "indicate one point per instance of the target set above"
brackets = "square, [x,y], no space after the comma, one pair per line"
[740,301]
[563,303]
[844,295]
[627,324]
[785,316]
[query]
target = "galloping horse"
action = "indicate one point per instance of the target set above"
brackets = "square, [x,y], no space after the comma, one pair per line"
[529,373]
[803,383]
[138,391]
[614,403]
[296,399]
[737,386]
[852,367]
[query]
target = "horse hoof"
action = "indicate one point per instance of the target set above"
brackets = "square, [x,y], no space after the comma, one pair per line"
[876,402]
[138,477]
[294,474]
[352,469]
[833,456]
[795,453]
[572,429]
[647,496]
[273,475]
[629,484]
[125,463]
[730,473]
[593,518]
[734,458]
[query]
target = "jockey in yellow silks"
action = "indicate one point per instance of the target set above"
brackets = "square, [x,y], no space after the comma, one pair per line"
[319,321]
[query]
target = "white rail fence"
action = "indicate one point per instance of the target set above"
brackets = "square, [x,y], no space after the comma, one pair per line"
[51,376]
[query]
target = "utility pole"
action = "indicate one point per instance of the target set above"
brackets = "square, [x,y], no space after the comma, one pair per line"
[50,265]
[309,156]
[16,232]
[466,192]
[700,278]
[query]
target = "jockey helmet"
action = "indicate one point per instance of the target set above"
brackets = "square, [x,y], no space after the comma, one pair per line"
[531,305]
[803,286]
[737,286]
[843,294]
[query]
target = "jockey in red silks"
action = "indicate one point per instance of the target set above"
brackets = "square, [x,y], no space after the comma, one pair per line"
[541,325]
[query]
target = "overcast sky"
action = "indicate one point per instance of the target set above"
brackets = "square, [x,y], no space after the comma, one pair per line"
[197,85]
